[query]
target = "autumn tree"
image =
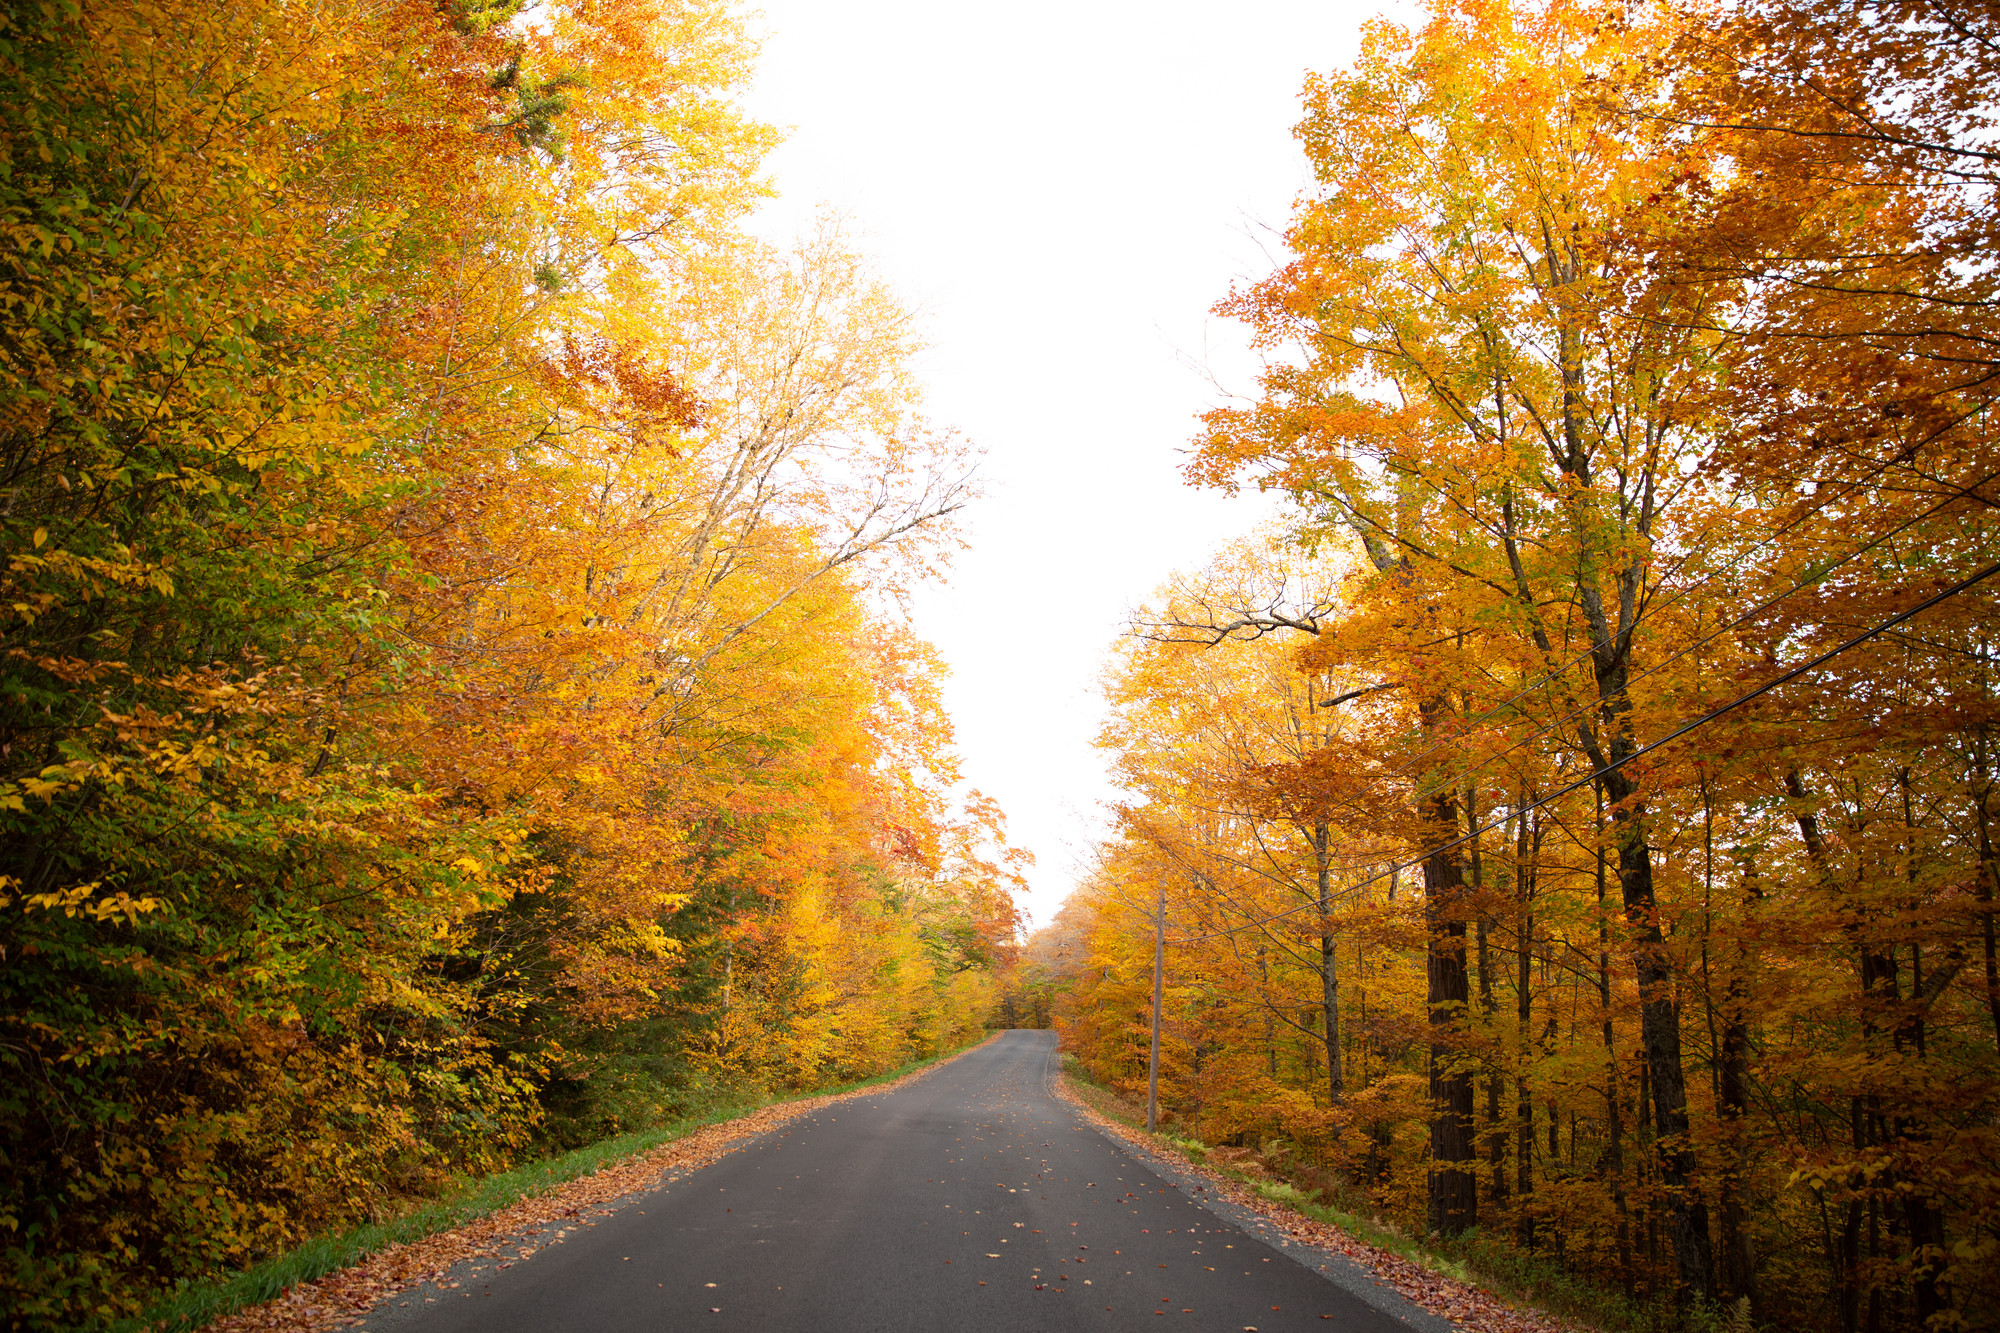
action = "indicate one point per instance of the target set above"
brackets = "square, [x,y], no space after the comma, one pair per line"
[452,673]
[1635,358]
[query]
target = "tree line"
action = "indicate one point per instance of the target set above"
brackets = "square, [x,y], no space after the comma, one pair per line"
[453,698]
[1574,824]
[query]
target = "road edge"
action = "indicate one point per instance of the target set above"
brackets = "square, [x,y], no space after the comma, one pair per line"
[1429,1301]
[344,1295]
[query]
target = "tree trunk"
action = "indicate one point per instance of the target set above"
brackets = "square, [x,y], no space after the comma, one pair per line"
[1879,993]
[1739,1261]
[1270,1023]
[1613,1164]
[1495,1132]
[1659,1031]
[1610,745]
[1983,892]
[1454,1188]
[1159,973]
[1524,1013]
[1329,979]
[1848,1283]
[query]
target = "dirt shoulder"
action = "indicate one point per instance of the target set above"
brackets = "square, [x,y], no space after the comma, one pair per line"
[1464,1305]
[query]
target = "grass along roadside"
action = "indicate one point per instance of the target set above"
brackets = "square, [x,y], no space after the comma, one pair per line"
[1523,1281]
[201,1303]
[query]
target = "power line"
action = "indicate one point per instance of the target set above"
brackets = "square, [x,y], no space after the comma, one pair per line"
[1702,642]
[1782,678]
[1555,673]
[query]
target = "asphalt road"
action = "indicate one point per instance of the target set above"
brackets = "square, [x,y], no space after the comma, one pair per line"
[969,1199]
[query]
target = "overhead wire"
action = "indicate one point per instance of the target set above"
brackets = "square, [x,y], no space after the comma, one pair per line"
[1820,577]
[1784,677]
[1556,672]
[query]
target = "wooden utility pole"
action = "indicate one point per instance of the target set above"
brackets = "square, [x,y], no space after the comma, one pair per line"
[1159,966]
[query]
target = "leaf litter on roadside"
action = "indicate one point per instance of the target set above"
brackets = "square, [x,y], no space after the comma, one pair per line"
[1464,1304]
[343,1297]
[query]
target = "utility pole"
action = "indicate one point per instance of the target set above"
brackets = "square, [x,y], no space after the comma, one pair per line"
[1159,966]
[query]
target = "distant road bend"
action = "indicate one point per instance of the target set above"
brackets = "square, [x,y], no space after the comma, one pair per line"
[970,1199]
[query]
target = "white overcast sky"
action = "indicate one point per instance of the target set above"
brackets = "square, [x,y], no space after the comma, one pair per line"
[1063,190]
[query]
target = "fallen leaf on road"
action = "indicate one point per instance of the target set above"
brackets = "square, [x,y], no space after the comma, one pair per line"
[342,1296]
[1465,1305]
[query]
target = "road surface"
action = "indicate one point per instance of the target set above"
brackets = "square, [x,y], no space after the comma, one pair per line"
[969,1199]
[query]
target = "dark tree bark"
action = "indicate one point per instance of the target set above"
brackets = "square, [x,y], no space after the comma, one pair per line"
[1739,1261]
[1880,991]
[1659,1015]
[1454,1186]
[1983,892]
[1524,1014]
[1329,977]
[1495,1131]
[1612,1165]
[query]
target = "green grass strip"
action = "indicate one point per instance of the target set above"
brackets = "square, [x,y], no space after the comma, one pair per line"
[1487,1262]
[203,1302]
